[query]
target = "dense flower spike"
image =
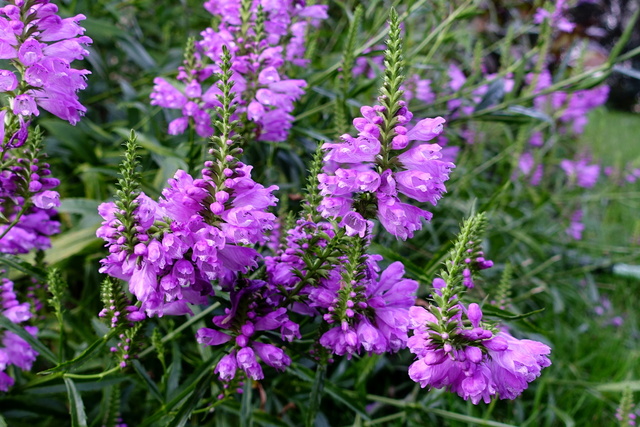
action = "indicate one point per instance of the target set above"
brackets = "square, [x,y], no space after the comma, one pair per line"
[254,308]
[42,46]
[358,184]
[364,176]
[455,349]
[27,199]
[189,238]
[370,315]
[364,311]
[262,39]
[474,362]
[14,351]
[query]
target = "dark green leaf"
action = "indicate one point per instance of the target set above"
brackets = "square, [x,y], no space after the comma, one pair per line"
[83,357]
[187,407]
[495,94]
[153,388]
[76,406]
[23,266]
[316,394]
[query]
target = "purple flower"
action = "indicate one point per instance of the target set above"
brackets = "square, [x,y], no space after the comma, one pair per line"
[580,173]
[257,64]
[45,45]
[160,273]
[350,166]
[15,350]
[480,366]
[576,227]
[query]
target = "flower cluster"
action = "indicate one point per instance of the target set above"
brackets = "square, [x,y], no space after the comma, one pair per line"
[14,351]
[557,17]
[254,308]
[262,40]
[42,47]
[576,227]
[371,314]
[580,173]
[362,179]
[27,200]
[475,362]
[362,309]
[570,109]
[191,236]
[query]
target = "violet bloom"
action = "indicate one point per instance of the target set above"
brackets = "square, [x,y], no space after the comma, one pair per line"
[34,227]
[576,227]
[529,169]
[580,173]
[417,88]
[44,45]
[557,17]
[202,237]
[351,172]
[480,366]
[571,108]
[253,309]
[14,350]
[257,65]
[374,319]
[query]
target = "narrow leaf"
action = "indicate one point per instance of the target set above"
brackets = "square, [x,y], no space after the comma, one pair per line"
[316,394]
[187,407]
[495,94]
[76,406]
[153,388]
[494,311]
[82,357]
[33,341]
[23,266]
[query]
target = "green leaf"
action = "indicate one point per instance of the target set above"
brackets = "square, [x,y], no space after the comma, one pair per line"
[148,143]
[246,408]
[466,418]
[335,392]
[153,388]
[491,310]
[76,406]
[38,392]
[187,407]
[316,394]
[512,114]
[82,357]
[412,269]
[82,206]
[266,419]
[23,266]
[72,243]
[630,72]
[495,94]
[33,341]
[187,388]
[620,386]
[624,38]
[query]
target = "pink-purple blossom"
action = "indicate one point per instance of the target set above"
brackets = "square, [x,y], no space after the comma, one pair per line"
[483,363]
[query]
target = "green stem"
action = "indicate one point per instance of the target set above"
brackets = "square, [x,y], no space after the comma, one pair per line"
[99,376]
[15,222]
